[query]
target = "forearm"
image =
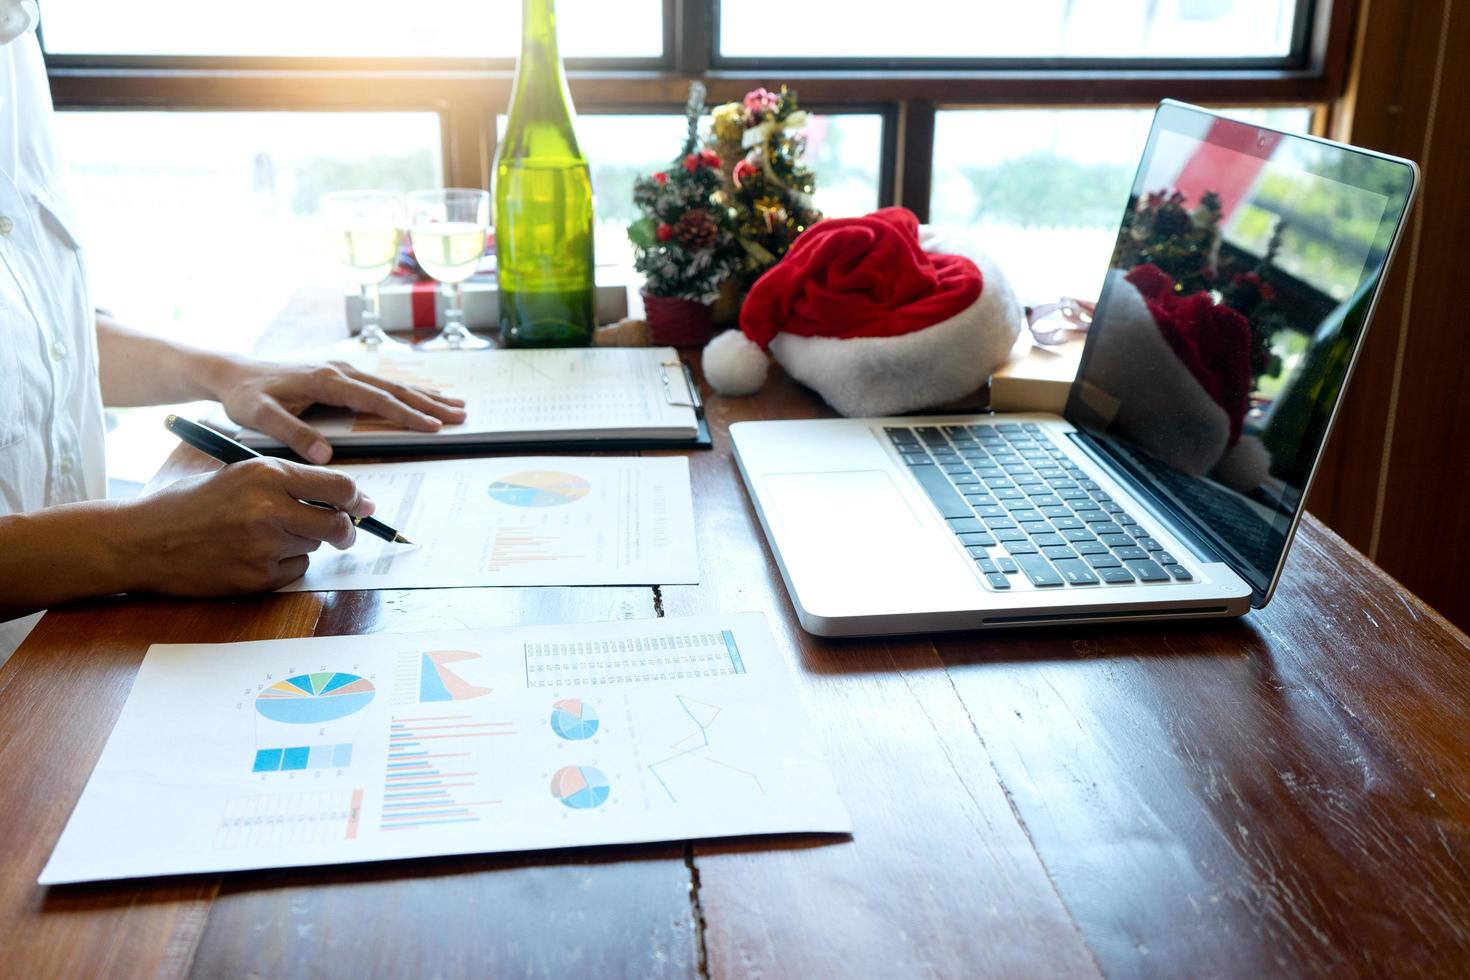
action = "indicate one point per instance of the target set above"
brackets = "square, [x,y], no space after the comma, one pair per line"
[138,369]
[59,554]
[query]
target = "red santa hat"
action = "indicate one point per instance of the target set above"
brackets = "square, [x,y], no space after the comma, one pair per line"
[1184,359]
[874,320]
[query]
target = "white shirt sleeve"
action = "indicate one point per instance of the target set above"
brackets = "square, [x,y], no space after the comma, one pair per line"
[51,423]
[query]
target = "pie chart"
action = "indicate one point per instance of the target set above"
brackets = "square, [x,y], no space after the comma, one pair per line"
[573,719]
[580,787]
[539,488]
[310,699]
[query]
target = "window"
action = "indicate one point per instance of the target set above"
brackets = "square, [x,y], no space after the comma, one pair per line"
[1044,189]
[1001,29]
[202,226]
[845,150]
[346,28]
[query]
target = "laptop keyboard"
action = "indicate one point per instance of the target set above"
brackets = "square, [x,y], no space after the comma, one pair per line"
[1021,507]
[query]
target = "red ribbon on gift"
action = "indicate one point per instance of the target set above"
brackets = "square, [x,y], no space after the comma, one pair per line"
[421,303]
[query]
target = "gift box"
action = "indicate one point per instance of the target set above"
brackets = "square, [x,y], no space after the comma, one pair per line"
[1036,379]
[407,304]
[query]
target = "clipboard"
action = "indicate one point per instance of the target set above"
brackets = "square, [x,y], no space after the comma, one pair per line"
[679,390]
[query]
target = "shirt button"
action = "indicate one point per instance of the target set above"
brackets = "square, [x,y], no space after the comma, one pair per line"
[58,350]
[66,465]
[5,225]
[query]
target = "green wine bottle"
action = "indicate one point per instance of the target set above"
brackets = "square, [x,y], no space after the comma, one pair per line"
[543,201]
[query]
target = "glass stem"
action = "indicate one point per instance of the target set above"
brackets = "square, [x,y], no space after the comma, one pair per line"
[454,328]
[372,322]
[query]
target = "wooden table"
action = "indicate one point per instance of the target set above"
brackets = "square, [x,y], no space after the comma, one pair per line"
[1285,793]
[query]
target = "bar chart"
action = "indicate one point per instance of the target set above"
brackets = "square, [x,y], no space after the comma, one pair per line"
[433,777]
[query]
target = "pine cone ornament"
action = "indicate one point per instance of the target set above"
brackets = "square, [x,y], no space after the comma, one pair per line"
[696,230]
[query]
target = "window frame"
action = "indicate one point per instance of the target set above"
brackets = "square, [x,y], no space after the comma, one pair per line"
[467,94]
[1299,56]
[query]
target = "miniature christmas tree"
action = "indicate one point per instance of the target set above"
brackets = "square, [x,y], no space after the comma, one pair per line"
[1185,244]
[769,189]
[683,243]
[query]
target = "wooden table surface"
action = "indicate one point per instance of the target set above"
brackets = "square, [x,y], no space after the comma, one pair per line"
[1284,793]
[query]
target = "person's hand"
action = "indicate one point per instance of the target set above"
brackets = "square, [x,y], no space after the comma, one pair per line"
[242,528]
[269,397]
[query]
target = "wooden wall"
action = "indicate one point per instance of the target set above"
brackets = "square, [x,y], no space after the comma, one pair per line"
[1396,478]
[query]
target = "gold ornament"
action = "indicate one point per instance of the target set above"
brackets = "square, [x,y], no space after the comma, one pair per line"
[728,122]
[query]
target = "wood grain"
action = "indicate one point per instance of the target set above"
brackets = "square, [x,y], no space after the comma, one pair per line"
[1393,478]
[939,877]
[1288,793]
[603,912]
[60,695]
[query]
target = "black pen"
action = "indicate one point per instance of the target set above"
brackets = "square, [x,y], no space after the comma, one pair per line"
[227,451]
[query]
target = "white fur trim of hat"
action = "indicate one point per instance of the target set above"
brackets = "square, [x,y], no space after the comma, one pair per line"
[867,376]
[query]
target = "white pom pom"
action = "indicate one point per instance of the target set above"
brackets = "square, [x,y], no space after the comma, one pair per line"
[734,364]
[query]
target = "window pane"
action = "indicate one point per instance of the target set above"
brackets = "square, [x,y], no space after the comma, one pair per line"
[201,227]
[1043,190]
[346,28]
[845,151]
[1006,29]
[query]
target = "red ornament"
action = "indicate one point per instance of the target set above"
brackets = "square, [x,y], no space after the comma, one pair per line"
[664,232]
[661,178]
[709,158]
[743,171]
[691,163]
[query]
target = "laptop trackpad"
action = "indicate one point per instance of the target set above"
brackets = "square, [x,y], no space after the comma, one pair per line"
[841,513]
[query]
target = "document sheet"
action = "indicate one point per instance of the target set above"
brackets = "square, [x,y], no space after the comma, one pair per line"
[542,520]
[525,396]
[329,750]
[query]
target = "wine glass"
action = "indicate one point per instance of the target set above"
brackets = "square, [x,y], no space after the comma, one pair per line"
[448,229]
[365,227]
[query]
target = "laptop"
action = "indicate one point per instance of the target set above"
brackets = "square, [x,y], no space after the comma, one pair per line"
[1243,277]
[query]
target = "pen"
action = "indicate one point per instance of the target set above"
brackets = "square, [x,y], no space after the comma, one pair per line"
[227,451]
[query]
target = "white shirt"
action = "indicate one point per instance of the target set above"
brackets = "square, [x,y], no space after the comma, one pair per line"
[51,422]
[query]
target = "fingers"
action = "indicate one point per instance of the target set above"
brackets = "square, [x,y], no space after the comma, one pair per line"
[336,388]
[303,521]
[274,420]
[425,400]
[293,545]
[289,570]
[328,486]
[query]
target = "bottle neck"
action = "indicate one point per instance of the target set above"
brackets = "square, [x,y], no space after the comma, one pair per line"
[540,100]
[538,32]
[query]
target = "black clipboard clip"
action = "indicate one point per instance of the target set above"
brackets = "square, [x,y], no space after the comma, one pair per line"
[691,390]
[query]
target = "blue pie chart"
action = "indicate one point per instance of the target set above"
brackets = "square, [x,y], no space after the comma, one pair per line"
[580,787]
[539,488]
[573,719]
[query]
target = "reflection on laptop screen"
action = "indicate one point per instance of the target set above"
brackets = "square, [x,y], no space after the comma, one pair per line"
[1237,292]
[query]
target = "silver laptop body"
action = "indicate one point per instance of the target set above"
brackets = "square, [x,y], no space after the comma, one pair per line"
[1120,510]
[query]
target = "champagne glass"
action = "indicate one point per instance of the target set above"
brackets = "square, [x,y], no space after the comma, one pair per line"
[365,227]
[448,228]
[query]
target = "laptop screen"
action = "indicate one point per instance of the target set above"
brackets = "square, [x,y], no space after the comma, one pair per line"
[1238,289]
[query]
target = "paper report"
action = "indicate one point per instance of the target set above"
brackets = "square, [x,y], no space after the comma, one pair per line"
[526,395]
[519,521]
[328,750]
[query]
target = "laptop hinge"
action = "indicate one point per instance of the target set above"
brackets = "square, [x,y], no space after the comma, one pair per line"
[1187,528]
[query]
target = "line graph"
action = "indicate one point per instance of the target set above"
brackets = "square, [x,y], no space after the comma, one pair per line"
[696,746]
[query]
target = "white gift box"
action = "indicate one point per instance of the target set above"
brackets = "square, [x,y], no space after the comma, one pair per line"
[405,304]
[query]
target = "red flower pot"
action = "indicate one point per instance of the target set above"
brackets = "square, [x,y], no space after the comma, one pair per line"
[678,322]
